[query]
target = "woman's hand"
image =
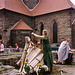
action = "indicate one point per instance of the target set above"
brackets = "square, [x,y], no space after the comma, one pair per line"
[38,43]
[32,33]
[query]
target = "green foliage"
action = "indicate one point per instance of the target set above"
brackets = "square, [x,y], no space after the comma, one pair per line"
[56,70]
[56,67]
[0,63]
[42,70]
[64,72]
[2,69]
[27,68]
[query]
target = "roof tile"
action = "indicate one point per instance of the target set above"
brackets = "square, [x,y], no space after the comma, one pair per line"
[21,25]
[44,6]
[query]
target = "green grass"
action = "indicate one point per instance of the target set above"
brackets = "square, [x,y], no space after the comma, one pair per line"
[13,53]
[2,69]
[56,67]
[0,63]
[64,72]
[56,70]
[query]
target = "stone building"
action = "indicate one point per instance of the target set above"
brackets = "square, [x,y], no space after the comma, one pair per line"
[54,15]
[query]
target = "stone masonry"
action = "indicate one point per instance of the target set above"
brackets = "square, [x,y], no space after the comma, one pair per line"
[10,19]
[62,19]
[1,22]
[73,28]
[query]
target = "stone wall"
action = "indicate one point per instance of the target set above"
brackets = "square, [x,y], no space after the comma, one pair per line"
[62,19]
[19,38]
[1,22]
[73,36]
[11,18]
[73,27]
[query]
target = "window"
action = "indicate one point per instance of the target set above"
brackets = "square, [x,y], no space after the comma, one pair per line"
[55,32]
[41,28]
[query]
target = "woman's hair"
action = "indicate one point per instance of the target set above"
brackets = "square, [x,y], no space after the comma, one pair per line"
[10,46]
[27,39]
[1,42]
[68,40]
[45,31]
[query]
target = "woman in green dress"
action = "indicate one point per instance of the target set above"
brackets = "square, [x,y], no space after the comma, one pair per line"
[48,60]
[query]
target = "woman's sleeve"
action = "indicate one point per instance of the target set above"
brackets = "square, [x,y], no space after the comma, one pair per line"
[40,37]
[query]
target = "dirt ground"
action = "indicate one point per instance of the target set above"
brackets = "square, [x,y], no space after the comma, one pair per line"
[67,69]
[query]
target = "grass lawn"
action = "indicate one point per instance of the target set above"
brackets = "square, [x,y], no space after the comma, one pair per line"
[2,69]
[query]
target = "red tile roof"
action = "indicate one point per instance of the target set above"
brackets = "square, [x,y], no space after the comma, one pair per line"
[44,7]
[21,25]
[48,6]
[17,6]
[2,4]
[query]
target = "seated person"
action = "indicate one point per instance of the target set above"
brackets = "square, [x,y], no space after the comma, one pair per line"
[64,51]
[17,48]
[1,47]
[10,49]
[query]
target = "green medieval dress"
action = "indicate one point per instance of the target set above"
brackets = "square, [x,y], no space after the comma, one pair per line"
[48,59]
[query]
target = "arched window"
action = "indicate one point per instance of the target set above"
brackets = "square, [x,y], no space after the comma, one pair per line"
[41,28]
[55,32]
